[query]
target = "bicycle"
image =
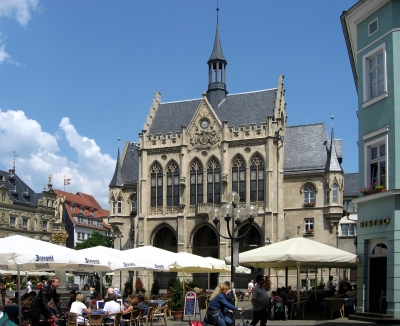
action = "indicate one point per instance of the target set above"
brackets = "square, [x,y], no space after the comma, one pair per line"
[241,321]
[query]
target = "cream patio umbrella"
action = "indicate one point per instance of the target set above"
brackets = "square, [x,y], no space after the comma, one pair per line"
[297,252]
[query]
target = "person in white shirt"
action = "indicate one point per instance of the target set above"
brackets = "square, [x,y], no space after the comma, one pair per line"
[111,307]
[79,307]
[28,285]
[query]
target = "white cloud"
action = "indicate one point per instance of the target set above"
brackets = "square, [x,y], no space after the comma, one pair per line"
[39,155]
[18,9]
[3,54]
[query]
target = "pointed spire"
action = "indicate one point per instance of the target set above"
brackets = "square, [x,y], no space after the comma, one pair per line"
[333,162]
[118,179]
[217,50]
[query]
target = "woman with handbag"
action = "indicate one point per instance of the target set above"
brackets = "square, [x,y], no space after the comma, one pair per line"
[216,312]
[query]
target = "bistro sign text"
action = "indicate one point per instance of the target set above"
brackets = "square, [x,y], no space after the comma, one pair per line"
[374,223]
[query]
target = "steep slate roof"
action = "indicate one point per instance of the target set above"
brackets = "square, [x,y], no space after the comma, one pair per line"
[21,189]
[307,148]
[118,179]
[130,164]
[237,109]
[350,184]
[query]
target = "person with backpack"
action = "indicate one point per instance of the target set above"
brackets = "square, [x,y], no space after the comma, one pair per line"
[260,301]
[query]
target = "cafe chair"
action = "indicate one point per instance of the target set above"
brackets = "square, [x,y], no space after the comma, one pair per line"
[168,305]
[144,318]
[117,320]
[298,307]
[95,320]
[337,305]
[133,318]
[71,319]
[157,313]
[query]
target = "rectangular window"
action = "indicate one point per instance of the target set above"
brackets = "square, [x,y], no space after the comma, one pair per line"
[44,226]
[80,220]
[308,225]
[79,236]
[352,228]
[13,221]
[373,27]
[83,236]
[119,205]
[90,222]
[378,165]
[344,229]
[99,224]
[335,194]
[374,74]
[25,223]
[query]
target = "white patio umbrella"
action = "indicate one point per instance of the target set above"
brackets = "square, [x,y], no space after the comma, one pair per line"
[297,252]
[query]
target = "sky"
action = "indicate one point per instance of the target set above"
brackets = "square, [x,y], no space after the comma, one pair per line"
[77,75]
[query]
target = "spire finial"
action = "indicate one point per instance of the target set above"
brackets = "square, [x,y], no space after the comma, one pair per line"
[332,117]
[118,142]
[217,11]
[15,155]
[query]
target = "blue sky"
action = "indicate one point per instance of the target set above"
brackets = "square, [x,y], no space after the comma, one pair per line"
[77,75]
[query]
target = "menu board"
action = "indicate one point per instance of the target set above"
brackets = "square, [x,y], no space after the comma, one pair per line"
[190,304]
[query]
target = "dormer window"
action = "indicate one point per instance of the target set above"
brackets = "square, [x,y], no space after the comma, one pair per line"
[73,208]
[11,181]
[100,223]
[15,196]
[80,219]
[82,210]
[90,222]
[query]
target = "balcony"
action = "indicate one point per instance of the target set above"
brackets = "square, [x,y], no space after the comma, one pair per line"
[204,209]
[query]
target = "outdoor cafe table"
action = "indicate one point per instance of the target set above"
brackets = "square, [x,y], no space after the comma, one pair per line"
[160,303]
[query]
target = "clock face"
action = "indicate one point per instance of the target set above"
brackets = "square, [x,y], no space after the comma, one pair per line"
[204,123]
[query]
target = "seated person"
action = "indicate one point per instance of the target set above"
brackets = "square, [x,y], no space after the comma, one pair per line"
[5,301]
[79,307]
[72,298]
[351,293]
[143,292]
[111,307]
[93,302]
[133,302]
[343,290]
[141,305]
[275,298]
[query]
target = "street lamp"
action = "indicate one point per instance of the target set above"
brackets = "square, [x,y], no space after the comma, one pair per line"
[230,213]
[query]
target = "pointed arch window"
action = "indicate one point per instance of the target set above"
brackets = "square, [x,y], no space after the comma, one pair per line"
[196,182]
[309,193]
[239,177]
[156,185]
[119,205]
[213,181]
[335,194]
[172,184]
[257,179]
[327,195]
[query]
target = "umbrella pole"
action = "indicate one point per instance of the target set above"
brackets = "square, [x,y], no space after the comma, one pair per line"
[101,284]
[208,289]
[298,282]
[316,284]
[19,297]
[286,277]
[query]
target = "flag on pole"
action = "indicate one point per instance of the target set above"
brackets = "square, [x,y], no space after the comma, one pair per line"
[66,182]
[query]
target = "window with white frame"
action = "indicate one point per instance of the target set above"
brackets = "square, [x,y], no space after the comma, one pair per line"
[133,204]
[348,206]
[90,222]
[83,236]
[374,73]
[309,225]
[79,237]
[13,221]
[335,194]
[44,226]
[25,223]
[377,165]
[119,205]
[373,27]
[113,205]
[99,224]
[80,219]
[327,195]
[309,193]
[348,229]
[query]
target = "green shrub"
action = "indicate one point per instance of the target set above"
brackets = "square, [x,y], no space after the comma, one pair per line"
[177,299]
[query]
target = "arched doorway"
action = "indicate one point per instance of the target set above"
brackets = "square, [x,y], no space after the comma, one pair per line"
[165,238]
[377,276]
[252,240]
[206,244]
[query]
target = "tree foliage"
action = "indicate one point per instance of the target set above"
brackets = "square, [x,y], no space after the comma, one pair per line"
[96,239]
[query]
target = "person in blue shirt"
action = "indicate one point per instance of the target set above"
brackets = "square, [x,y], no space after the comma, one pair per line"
[219,302]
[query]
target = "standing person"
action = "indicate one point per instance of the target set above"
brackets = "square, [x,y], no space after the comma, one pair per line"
[218,302]
[40,304]
[28,285]
[329,285]
[260,301]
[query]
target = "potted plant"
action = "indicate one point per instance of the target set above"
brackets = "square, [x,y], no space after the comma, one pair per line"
[177,300]
[309,231]
[372,189]
[155,288]
[309,204]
